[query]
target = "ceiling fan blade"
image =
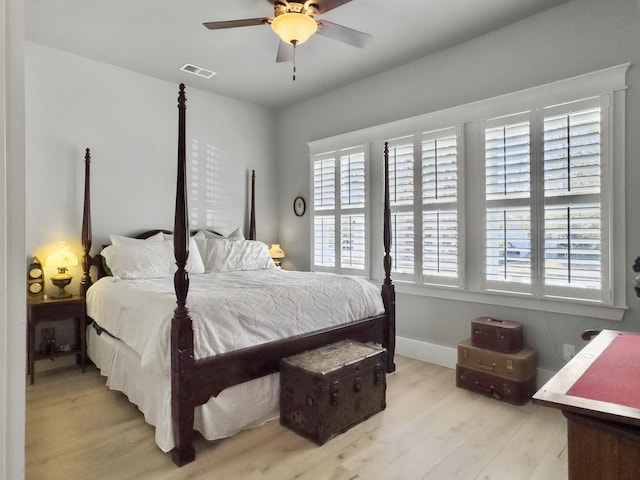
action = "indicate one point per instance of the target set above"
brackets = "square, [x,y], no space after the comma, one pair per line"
[343,34]
[247,22]
[285,52]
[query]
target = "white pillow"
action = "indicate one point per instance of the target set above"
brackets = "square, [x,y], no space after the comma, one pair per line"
[120,240]
[235,235]
[153,259]
[202,236]
[138,260]
[234,255]
[194,261]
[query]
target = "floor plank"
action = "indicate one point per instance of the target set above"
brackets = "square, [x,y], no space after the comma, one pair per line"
[430,430]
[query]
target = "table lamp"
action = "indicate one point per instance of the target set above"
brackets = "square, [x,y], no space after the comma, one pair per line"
[61,258]
[276,253]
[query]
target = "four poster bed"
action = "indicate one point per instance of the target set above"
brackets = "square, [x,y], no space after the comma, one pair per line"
[181,372]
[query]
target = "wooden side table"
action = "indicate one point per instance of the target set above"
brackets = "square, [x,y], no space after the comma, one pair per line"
[55,310]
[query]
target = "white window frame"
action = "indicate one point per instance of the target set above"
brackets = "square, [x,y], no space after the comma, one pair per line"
[609,82]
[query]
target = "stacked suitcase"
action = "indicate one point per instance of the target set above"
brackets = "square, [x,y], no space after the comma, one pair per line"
[496,362]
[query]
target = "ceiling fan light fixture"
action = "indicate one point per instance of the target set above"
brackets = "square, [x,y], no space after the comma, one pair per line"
[294,27]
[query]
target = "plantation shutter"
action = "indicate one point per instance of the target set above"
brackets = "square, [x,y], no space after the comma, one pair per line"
[339,223]
[573,244]
[324,198]
[508,210]
[440,206]
[352,203]
[401,198]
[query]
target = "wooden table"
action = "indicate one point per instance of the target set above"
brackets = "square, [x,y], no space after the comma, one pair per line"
[55,310]
[603,437]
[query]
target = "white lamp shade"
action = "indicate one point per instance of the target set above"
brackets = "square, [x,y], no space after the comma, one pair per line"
[61,258]
[275,251]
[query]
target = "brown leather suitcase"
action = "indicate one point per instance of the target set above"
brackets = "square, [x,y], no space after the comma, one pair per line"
[504,389]
[499,335]
[517,366]
[326,391]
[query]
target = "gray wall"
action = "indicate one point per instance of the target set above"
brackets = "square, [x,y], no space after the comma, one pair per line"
[575,38]
[130,123]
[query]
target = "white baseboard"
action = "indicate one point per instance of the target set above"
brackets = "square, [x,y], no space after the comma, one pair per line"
[427,352]
[446,356]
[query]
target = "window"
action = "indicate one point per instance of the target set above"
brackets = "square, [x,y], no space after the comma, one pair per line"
[339,220]
[423,190]
[565,168]
[515,200]
[508,194]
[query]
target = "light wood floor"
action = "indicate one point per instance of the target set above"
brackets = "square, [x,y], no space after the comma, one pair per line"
[78,429]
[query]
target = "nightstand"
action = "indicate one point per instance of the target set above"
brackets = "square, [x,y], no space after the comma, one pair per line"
[55,310]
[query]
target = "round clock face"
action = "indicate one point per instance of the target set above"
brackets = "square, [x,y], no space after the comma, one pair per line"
[299,206]
[35,273]
[35,287]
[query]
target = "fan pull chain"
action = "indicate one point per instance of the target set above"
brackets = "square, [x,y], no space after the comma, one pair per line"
[294,42]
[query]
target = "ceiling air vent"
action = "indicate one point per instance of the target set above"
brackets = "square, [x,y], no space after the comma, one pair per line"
[201,72]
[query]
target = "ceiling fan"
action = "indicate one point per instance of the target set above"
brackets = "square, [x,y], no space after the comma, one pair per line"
[294,22]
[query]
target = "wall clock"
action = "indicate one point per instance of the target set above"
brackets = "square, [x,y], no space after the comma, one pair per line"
[35,279]
[299,206]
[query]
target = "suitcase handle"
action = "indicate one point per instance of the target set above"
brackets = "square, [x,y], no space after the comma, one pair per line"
[487,367]
[494,320]
[489,390]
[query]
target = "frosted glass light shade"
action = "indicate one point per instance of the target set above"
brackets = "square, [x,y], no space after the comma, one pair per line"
[294,28]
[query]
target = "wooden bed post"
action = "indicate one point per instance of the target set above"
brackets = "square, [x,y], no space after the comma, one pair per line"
[85,282]
[252,218]
[388,290]
[182,407]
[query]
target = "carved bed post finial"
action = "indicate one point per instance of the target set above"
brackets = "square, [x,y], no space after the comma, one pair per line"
[252,218]
[388,290]
[85,282]
[182,360]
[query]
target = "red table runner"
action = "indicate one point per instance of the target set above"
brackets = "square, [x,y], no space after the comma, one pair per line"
[614,377]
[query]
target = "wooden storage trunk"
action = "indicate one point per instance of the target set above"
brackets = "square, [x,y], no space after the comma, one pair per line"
[499,335]
[326,391]
[517,366]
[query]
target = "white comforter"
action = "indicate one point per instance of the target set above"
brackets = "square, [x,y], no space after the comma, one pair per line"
[229,310]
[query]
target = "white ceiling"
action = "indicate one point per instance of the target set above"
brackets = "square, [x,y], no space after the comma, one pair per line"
[156,37]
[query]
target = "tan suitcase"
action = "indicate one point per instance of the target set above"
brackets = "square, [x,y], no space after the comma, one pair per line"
[516,366]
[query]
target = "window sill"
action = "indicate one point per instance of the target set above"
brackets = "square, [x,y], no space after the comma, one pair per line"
[574,308]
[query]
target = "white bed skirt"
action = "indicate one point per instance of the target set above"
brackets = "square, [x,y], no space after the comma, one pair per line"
[242,406]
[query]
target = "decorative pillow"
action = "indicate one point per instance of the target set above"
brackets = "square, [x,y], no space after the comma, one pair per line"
[120,240]
[142,259]
[234,255]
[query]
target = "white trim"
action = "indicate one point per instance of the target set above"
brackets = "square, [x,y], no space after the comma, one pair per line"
[12,242]
[447,356]
[427,352]
[567,307]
